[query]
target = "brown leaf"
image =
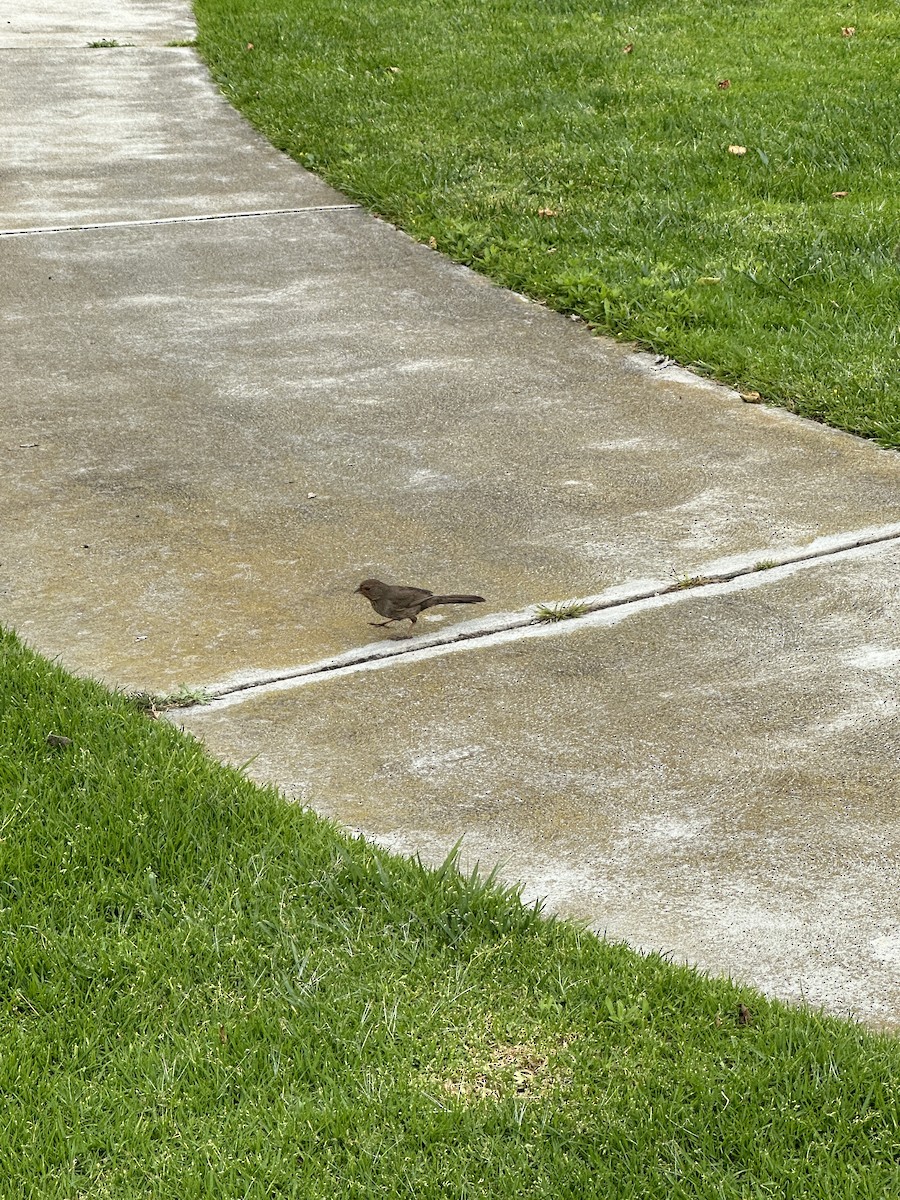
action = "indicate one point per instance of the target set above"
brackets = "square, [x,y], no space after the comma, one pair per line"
[744,1015]
[223,1036]
[848,31]
[548,212]
[738,150]
[723,84]
[58,741]
[839,195]
[432,242]
[750,397]
[628,49]
[249,45]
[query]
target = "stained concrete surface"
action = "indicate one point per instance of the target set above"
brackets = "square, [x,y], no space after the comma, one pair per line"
[182,389]
[213,430]
[717,778]
[114,135]
[48,23]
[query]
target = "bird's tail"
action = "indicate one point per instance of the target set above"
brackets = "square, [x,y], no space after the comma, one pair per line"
[432,600]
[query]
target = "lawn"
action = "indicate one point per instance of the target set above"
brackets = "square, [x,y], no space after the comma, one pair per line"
[209,992]
[719,182]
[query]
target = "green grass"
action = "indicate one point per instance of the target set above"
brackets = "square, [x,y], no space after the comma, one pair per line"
[563,610]
[519,137]
[208,992]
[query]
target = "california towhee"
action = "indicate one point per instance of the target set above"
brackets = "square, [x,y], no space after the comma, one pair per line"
[404,603]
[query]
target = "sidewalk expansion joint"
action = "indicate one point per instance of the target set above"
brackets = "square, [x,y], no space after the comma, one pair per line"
[227,216]
[546,620]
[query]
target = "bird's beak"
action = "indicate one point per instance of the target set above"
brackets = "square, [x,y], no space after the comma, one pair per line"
[356,591]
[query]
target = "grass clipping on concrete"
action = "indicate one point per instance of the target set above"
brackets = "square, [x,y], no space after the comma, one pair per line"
[720,182]
[209,992]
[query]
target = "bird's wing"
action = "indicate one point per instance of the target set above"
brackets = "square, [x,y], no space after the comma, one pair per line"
[409,595]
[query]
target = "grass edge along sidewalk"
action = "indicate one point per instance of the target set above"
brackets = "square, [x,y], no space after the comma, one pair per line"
[208,991]
[718,183]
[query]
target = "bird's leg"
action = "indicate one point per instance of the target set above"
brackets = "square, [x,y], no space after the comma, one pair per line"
[381,624]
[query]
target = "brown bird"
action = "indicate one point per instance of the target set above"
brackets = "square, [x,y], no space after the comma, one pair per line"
[404,603]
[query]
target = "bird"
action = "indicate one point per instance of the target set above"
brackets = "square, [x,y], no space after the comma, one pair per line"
[404,603]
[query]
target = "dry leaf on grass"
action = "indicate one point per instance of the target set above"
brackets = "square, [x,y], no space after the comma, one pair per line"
[548,212]
[848,31]
[628,49]
[723,84]
[839,195]
[738,150]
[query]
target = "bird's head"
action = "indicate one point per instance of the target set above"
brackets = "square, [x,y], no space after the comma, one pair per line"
[369,588]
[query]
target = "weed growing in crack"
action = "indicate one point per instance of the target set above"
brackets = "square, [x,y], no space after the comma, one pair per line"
[567,611]
[765,564]
[690,581]
[153,703]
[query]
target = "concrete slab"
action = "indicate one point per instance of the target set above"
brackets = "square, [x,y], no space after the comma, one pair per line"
[718,777]
[213,431]
[114,135]
[30,23]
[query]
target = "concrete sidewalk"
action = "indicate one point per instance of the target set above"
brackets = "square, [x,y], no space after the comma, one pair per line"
[236,394]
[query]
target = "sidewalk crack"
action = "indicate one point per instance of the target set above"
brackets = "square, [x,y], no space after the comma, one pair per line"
[530,622]
[185,220]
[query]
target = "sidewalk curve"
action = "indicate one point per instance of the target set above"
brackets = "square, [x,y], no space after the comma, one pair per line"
[230,394]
